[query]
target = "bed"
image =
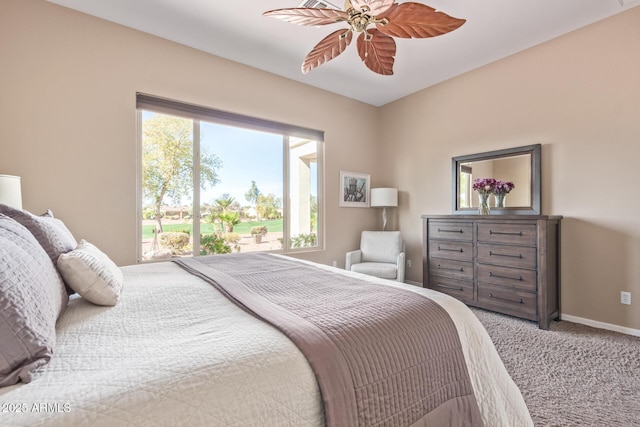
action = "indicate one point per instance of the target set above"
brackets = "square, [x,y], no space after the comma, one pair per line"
[173,350]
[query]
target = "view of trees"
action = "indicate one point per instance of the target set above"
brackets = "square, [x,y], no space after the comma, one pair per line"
[167,152]
[226,212]
[269,206]
[252,194]
[170,220]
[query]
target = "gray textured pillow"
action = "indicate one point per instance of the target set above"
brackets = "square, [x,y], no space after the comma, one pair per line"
[32,297]
[92,274]
[50,232]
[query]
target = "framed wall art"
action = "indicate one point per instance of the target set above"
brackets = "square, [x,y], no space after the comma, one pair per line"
[354,189]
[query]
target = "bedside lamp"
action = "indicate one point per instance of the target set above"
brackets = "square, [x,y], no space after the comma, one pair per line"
[10,193]
[384,198]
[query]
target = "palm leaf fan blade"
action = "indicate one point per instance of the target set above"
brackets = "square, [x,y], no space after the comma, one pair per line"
[416,20]
[328,48]
[377,51]
[308,16]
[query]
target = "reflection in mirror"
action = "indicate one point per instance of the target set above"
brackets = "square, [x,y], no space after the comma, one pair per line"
[516,169]
[520,165]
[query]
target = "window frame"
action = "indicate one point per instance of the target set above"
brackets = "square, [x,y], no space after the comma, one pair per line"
[198,114]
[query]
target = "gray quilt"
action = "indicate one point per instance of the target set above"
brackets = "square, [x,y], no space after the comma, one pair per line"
[382,356]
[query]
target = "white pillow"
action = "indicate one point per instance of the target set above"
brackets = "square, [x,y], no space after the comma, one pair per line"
[92,274]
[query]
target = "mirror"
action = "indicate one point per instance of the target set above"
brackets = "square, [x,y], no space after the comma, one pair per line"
[520,165]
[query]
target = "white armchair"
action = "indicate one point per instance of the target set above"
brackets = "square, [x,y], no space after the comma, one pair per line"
[381,254]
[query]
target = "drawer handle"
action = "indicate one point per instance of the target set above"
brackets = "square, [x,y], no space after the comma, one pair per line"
[506,299]
[461,270]
[491,253]
[519,233]
[442,230]
[450,250]
[455,288]
[506,277]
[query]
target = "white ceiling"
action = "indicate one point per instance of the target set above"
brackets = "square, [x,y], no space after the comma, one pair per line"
[236,30]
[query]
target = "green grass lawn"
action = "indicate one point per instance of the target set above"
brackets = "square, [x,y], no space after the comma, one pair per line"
[206,228]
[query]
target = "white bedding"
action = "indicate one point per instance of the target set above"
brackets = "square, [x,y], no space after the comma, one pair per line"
[174,352]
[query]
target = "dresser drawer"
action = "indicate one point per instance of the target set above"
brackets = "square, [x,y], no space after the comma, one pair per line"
[508,301]
[462,251]
[513,278]
[504,263]
[508,256]
[450,230]
[451,268]
[518,234]
[456,288]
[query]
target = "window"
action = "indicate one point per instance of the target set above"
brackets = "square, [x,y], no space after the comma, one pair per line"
[213,182]
[465,186]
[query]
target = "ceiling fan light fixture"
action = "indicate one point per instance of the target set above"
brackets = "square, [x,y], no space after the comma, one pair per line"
[376,46]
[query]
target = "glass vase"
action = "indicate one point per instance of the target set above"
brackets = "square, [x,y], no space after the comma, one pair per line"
[483,204]
[500,200]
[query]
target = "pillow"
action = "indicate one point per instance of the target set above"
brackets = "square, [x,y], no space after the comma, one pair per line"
[52,234]
[92,274]
[32,297]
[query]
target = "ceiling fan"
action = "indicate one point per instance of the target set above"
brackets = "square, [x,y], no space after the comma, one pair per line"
[376,46]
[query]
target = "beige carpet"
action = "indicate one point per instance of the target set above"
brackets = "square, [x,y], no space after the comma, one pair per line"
[571,375]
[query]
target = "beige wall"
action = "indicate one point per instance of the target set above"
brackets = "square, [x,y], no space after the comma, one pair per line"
[68,83]
[518,171]
[578,96]
[67,103]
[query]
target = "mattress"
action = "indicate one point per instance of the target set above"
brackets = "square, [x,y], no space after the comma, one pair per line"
[174,351]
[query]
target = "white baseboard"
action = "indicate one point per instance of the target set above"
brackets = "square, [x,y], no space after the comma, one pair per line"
[600,325]
[581,320]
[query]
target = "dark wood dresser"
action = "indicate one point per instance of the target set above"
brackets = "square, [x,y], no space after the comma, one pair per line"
[505,263]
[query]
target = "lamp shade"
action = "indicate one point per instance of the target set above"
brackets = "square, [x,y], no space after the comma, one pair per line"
[10,193]
[384,197]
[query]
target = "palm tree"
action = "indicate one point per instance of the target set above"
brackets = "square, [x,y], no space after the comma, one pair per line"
[224,202]
[227,219]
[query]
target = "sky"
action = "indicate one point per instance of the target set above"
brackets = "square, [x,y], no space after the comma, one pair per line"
[246,155]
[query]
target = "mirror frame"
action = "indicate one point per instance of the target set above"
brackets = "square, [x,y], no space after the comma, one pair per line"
[533,208]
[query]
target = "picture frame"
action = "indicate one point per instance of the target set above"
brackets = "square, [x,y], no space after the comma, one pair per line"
[355,189]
